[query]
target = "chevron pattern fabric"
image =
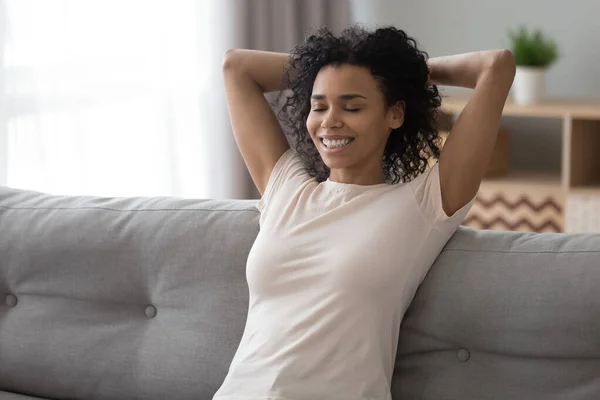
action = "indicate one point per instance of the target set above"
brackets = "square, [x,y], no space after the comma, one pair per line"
[525,213]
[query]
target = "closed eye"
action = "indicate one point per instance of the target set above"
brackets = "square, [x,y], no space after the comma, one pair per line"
[345,109]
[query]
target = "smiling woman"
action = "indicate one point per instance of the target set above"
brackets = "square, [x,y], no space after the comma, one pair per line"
[351,216]
[377,80]
[349,108]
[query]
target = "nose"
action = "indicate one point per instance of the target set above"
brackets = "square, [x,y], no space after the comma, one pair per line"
[331,121]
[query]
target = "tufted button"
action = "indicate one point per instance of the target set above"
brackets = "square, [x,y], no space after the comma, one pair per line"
[150,311]
[463,355]
[11,300]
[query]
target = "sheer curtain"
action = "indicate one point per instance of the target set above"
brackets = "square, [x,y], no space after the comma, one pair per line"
[125,97]
[106,97]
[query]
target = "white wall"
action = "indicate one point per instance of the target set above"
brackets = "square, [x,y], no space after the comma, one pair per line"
[446,27]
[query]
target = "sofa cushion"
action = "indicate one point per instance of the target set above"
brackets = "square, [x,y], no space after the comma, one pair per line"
[15,396]
[505,315]
[121,298]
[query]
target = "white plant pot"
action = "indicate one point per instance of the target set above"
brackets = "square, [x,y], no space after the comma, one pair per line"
[529,86]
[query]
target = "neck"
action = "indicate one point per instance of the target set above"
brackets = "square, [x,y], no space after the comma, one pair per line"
[363,177]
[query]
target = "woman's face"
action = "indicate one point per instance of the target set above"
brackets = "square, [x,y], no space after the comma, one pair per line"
[350,124]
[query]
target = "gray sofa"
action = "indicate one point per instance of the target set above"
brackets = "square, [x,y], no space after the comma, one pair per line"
[146,298]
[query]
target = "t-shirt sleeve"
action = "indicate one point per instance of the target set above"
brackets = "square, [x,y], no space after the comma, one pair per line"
[289,169]
[428,194]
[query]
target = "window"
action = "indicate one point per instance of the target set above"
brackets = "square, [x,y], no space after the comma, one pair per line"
[105,97]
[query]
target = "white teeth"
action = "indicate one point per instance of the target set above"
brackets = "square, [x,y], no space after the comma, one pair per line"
[332,144]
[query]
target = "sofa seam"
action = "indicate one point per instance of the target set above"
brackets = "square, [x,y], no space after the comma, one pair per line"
[121,210]
[522,251]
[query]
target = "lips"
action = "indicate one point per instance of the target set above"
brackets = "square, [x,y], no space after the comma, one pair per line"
[335,143]
[335,137]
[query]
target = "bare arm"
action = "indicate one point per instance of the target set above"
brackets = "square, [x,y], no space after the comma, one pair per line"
[248,74]
[468,149]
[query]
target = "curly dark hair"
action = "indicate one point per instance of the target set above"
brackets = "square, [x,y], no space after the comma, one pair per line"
[400,68]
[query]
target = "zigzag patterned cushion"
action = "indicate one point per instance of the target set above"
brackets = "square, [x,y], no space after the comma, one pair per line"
[516,212]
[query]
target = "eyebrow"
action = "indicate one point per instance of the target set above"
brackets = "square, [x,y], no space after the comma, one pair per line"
[341,97]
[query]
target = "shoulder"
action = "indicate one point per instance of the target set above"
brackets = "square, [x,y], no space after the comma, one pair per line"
[426,190]
[289,172]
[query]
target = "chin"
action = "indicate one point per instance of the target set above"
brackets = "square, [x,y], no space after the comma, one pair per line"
[335,162]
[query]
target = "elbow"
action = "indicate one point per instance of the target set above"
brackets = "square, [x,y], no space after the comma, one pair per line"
[500,66]
[231,59]
[504,63]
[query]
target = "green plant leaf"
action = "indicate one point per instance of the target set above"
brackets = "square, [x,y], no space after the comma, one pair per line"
[533,49]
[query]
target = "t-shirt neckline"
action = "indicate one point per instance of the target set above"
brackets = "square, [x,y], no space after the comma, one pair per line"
[354,186]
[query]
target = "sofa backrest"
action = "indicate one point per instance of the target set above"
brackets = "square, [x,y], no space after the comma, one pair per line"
[105,298]
[120,298]
[505,315]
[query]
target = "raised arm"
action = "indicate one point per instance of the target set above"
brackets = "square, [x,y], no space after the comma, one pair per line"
[468,149]
[248,74]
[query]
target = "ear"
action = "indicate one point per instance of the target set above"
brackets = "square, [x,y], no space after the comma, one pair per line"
[397,115]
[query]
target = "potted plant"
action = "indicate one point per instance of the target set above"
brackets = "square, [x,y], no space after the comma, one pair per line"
[534,52]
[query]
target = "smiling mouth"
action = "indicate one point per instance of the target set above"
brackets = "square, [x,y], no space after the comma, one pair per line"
[336,143]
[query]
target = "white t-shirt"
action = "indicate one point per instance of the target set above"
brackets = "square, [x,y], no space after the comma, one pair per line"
[330,276]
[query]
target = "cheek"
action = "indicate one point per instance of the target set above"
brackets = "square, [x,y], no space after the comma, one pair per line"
[369,126]
[362,124]
[312,124]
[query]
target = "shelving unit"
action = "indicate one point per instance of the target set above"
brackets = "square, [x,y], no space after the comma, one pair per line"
[566,201]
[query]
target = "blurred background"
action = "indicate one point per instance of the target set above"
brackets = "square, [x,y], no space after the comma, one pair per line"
[125,97]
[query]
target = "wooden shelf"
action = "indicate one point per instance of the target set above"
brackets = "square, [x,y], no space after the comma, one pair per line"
[526,179]
[549,108]
[563,200]
[591,190]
